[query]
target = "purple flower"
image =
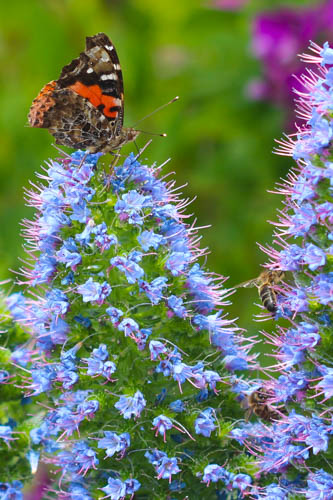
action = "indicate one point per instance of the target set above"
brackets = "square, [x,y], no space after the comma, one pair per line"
[149,239]
[167,466]
[314,256]
[131,406]
[156,349]
[154,290]
[84,237]
[178,262]
[162,424]
[6,433]
[205,423]
[176,305]
[131,206]
[326,384]
[101,352]
[237,362]
[103,240]
[323,288]
[115,314]
[114,443]
[11,491]
[278,36]
[291,258]
[16,305]
[132,485]
[177,406]
[318,440]
[131,269]
[93,291]
[320,485]
[302,220]
[58,330]
[241,481]
[56,301]
[85,457]
[214,473]
[291,384]
[327,54]
[21,356]
[296,301]
[81,212]
[129,327]
[69,255]
[274,492]
[155,456]
[44,270]
[115,489]
[42,379]
[144,253]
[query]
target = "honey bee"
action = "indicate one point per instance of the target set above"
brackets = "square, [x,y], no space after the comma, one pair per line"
[265,283]
[257,403]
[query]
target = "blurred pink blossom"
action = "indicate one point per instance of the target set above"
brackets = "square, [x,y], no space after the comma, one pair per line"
[229,4]
[278,36]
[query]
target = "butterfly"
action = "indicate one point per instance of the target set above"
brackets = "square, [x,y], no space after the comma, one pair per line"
[84,108]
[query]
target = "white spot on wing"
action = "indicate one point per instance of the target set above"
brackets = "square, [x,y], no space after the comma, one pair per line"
[104,56]
[109,47]
[111,76]
[90,70]
[116,66]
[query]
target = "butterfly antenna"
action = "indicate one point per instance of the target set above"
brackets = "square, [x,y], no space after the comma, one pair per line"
[155,111]
[151,133]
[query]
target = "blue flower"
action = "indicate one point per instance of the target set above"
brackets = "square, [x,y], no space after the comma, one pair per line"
[93,291]
[131,269]
[131,406]
[114,443]
[162,424]
[115,489]
[314,256]
[323,288]
[214,473]
[115,314]
[56,301]
[167,467]
[205,423]
[154,290]
[149,239]
[176,305]
[327,54]
[11,491]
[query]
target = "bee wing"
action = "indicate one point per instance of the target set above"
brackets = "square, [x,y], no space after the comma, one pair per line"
[248,284]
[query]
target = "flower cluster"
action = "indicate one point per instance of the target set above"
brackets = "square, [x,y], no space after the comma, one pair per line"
[296,446]
[130,351]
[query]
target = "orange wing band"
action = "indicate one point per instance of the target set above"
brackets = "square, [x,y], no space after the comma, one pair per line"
[94,95]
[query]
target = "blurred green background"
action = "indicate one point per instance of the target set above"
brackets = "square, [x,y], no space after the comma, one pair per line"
[220,141]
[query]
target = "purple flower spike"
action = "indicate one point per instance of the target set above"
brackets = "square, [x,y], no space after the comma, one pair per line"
[119,319]
[296,406]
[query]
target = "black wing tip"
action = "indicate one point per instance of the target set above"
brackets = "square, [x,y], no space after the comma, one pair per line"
[100,39]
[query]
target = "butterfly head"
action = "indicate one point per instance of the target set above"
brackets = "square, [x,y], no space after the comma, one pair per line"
[126,135]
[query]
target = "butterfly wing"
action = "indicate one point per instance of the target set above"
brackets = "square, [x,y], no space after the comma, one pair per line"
[84,107]
[96,76]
